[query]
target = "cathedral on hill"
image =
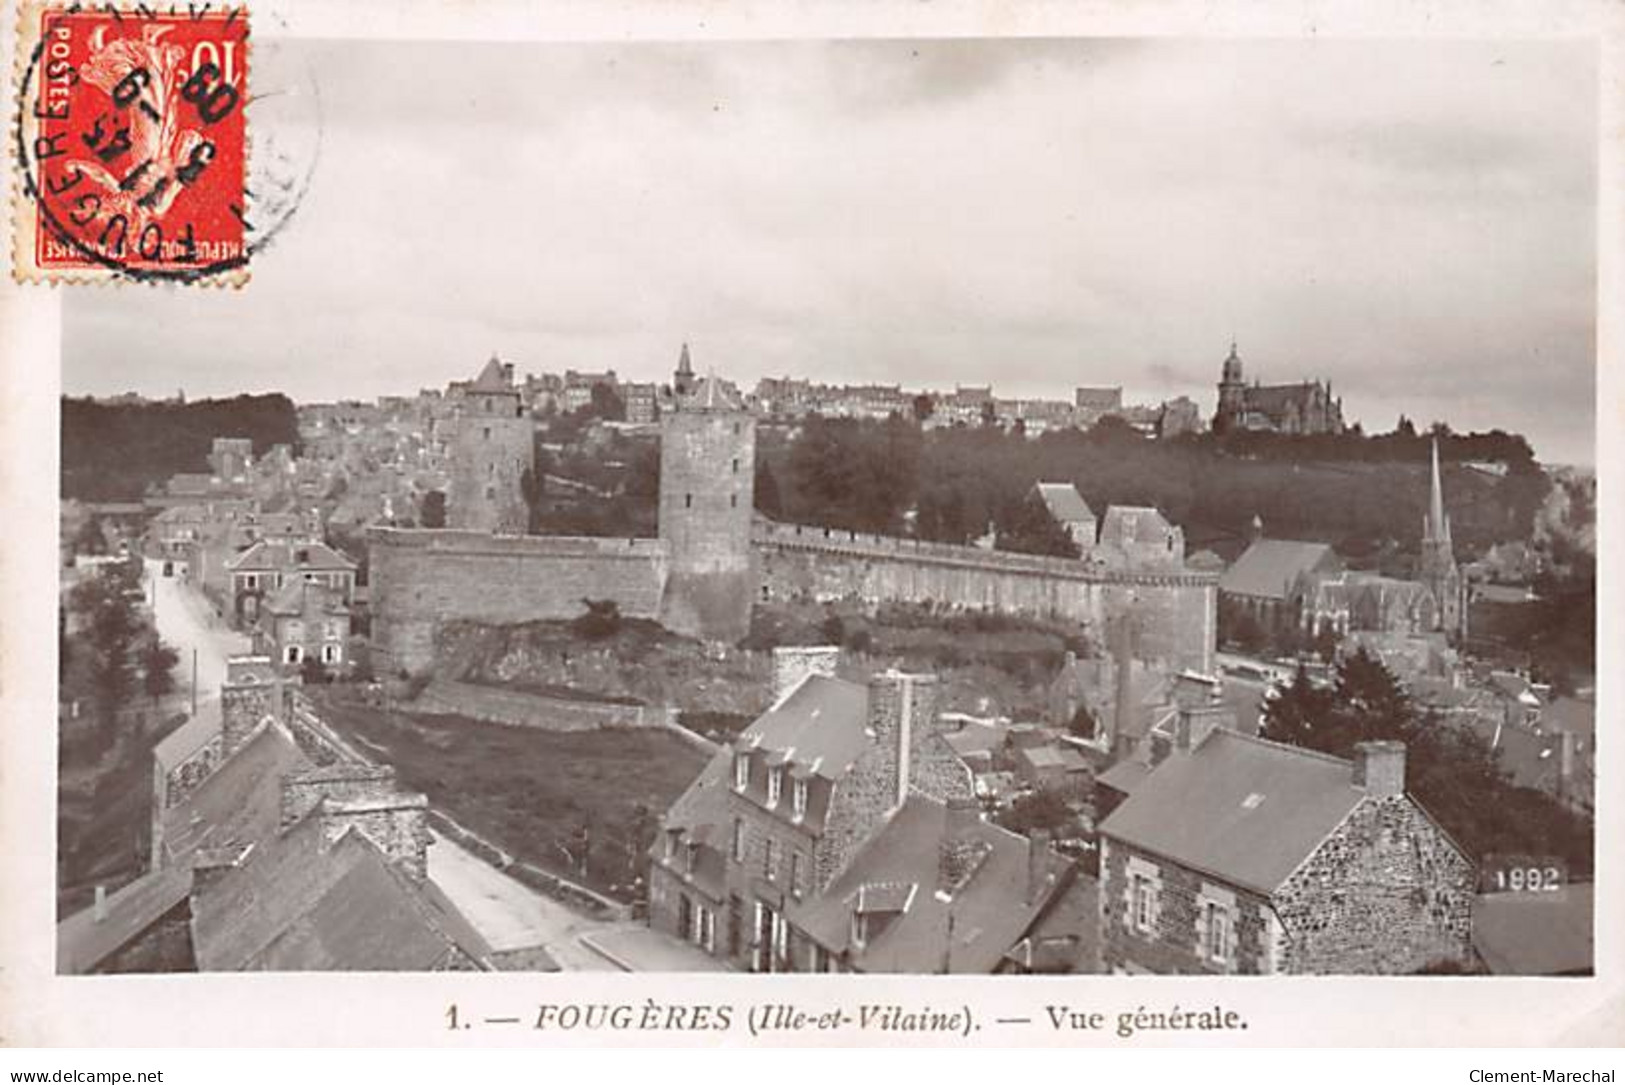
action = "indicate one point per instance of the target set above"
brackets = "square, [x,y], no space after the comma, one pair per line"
[1302,408]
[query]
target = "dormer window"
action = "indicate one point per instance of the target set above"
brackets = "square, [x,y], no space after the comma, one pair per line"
[798,799]
[775,786]
[741,772]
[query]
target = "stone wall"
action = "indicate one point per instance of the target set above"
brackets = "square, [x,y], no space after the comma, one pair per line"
[1387,893]
[707,473]
[1174,611]
[1172,946]
[423,579]
[516,708]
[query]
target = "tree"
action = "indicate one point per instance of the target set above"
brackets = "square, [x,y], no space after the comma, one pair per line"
[1043,809]
[89,539]
[1030,528]
[607,403]
[1083,723]
[433,512]
[601,621]
[158,662]
[766,497]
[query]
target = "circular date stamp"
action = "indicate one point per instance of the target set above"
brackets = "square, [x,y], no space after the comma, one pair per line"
[132,141]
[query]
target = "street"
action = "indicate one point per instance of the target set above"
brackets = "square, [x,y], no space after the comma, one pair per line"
[511,915]
[187,624]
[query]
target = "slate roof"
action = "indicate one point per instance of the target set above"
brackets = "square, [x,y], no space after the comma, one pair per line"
[990,912]
[1270,567]
[1536,934]
[299,904]
[274,555]
[240,803]
[290,599]
[1242,809]
[821,722]
[1064,502]
[492,380]
[83,941]
[1134,523]
[185,740]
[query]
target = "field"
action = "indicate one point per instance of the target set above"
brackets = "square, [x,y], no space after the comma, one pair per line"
[583,803]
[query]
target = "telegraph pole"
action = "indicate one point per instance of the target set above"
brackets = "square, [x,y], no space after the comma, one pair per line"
[194,681]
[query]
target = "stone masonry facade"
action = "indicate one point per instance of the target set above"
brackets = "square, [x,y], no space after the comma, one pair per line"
[1387,893]
[1172,940]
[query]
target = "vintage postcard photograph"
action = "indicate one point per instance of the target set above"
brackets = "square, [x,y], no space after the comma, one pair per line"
[903,528]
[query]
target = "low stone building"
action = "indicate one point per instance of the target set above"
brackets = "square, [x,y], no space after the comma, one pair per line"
[1070,510]
[1238,855]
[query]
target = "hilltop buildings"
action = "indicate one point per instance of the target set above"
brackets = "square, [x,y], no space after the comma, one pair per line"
[1304,408]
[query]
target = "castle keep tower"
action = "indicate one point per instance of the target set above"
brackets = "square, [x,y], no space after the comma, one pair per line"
[707,481]
[1437,568]
[492,450]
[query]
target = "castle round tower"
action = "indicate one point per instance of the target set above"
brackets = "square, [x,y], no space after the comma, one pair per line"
[707,481]
[493,448]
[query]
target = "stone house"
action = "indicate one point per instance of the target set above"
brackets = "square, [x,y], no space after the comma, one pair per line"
[1139,538]
[1238,855]
[266,566]
[303,621]
[840,833]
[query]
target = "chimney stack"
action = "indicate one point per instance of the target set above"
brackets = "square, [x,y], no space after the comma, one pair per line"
[791,665]
[1037,864]
[1123,664]
[100,913]
[1379,768]
[902,715]
[1565,763]
[1193,725]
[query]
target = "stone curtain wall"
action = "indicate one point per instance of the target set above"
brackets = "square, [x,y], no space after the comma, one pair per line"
[1386,893]
[1175,612]
[421,579]
[1173,945]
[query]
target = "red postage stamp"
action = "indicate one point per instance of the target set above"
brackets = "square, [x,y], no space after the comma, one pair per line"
[132,143]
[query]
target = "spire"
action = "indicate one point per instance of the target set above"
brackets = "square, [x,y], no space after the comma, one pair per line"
[1438,524]
[683,364]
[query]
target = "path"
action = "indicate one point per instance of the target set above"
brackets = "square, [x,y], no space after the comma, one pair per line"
[187,624]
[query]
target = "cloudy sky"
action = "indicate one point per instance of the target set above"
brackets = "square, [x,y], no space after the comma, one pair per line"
[1414,221]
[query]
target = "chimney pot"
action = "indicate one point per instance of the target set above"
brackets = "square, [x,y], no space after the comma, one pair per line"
[1379,768]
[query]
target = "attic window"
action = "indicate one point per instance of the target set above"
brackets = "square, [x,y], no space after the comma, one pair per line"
[741,772]
[1252,801]
[775,786]
[798,799]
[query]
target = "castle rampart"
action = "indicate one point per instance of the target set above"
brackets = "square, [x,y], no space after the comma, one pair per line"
[422,579]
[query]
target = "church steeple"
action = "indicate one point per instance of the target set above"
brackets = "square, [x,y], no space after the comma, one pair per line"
[1438,565]
[683,380]
[1437,528]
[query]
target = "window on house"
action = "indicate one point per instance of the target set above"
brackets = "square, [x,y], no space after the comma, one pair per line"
[688,501]
[798,799]
[739,841]
[487,433]
[330,653]
[770,860]
[741,771]
[293,654]
[736,467]
[1144,903]
[671,845]
[775,786]
[796,869]
[733,501]
[1217,918]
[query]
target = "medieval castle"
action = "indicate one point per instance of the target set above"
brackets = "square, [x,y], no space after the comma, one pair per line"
[715,558]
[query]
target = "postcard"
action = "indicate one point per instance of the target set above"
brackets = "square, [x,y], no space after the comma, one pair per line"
[807,524]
